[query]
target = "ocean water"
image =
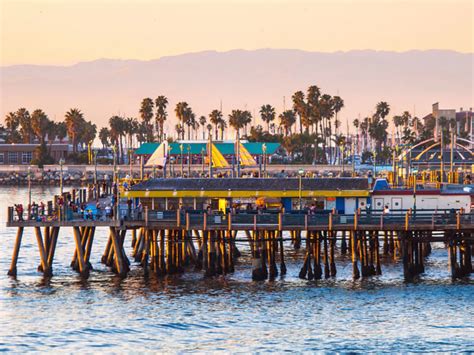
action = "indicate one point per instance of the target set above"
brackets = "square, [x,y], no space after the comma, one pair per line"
[226,313]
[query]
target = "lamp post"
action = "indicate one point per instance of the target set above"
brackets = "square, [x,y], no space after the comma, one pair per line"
[114,153]
[353,158]
[29,186]
[95,167]
[342,157]
[300,188]
[189,160]
[414,194]
[61,162]
[168,162]
[202,160]
[442,155]
[264,150]
[182,162]
[130,161]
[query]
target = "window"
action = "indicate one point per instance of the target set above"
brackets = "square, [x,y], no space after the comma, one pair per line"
[13,157]
[2,160]
[26,157]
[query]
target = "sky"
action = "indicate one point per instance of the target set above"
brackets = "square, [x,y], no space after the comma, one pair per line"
[69,31]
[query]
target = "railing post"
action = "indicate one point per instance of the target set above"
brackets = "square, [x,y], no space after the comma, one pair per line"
[305,222]
[204,221]
[280,221]
[381,221]
[229,221]
[255,222]
[458,220]
[356,220]
[146,216]
[407,220]
[187,221]
[178,217]
[330,221]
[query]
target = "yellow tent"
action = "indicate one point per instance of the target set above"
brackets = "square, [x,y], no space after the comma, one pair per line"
[218,160]
[245,158]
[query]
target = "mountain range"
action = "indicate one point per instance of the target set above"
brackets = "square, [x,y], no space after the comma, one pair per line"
[243,79]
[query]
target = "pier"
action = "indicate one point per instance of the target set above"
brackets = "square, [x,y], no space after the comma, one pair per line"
[170,231]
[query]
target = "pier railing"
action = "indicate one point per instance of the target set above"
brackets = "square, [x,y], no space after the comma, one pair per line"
[200,220]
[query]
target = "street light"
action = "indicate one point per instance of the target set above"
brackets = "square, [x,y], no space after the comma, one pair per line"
[114,150]
[342,156]
[264,150]
[375,163]
[130,161]
[202,160]
[300,174]
[61,162]
[182,161]
[95,167]
[29,186]
[189,160]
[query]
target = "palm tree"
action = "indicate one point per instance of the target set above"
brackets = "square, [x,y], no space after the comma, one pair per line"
[237,121]
[209,129]
[327,112]
[222,126]
[88,133]
[182,113]
[146,114]
[179,130]
[314,116]
[214,117]
[299,106]
[74,120]
[267,113]
[104,135]
[60,130]
[190,121]
[40,124]
[337,104]
[117,132]
[161,102]
[356,123]
[398,122]
[247,119]
[130,128]
[24,119]
[382,109]
[287,120]
[202,122]
[12,122]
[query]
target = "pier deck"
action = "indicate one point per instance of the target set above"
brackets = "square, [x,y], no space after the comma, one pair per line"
[168,242]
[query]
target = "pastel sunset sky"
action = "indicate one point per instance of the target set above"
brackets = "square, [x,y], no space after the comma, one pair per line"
[68,31]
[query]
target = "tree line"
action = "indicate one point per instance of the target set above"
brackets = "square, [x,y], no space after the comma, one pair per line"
[310,131]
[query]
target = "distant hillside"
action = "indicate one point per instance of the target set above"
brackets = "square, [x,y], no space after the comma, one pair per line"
[242,79]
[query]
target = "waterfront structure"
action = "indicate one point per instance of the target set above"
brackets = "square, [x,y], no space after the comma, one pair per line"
[344,195]
[196,152]
[22,154]
[177,224]
[448,197]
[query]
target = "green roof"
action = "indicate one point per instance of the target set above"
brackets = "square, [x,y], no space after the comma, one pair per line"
[225,148]
[255,148]
[194,148]
[147,148]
